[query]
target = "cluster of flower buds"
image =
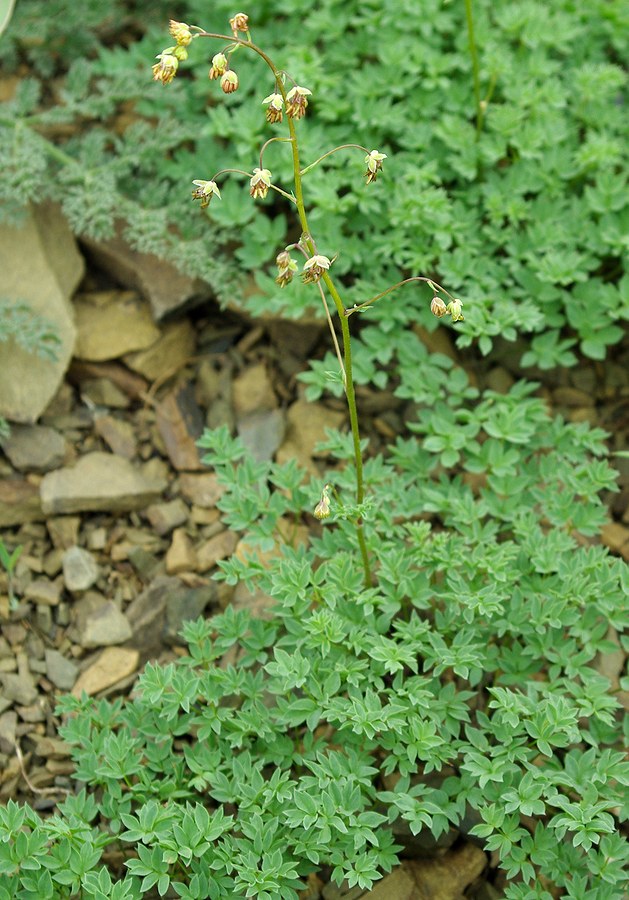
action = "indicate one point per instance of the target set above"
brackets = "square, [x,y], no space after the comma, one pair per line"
[286,268]
[260,183]
[373,161]
[275,108]
[239,22]
[180,32]
[453,308]
[169,59]
[297,101]
[322,509]
[314,268]
[204,192]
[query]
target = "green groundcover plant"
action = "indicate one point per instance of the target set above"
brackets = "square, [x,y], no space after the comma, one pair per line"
[430,656]
[507,121]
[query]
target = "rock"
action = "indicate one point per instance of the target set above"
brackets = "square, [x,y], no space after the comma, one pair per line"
[218,547]
[101,392]
[61,671]
[112,323]
[113,665]
[616,537]
[171,352]
[306,427]
[299,337]
[253,391]
[40,266]
[105,626]
[118,435]
[18,688]
[8,727]
[447,877]
[44,591]
[99,482]
[64,531]
[19,502]
[180,556]
[184,604]
[80,570]
[165,288]
[166,516]
[146,614]
[180,425]
[134,386]
[262,433]
[34,448]
[201,490]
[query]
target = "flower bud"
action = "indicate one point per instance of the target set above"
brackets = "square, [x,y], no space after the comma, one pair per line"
[239,22]
[166,69]
[297,101]
[438,307]
[229,82]
[180,52]
[314,268]
[275,104]
[454,308]
[181,32]
[204,192]
[322,509]
[219,66]
[373,161]
[286,267]
[260,183]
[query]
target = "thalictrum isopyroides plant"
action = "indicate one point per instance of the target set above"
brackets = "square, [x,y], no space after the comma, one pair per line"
[288,102]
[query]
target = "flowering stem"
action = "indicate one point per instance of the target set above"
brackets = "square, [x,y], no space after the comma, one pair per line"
[333,333]
[358,307]
[330,152]
[271,141]
[347,350]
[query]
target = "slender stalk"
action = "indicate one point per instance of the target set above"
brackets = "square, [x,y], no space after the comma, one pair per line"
[429,281]
[347,350]
[475,67]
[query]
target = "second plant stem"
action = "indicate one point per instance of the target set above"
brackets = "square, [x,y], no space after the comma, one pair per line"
[350,393]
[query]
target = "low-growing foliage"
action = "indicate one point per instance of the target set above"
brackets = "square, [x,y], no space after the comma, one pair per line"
[528,214]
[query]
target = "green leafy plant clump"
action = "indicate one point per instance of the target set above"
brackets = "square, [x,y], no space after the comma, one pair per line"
[461,687]
[428,658]
[508,126]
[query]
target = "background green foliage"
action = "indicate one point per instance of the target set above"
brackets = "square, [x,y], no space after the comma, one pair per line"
[529,223]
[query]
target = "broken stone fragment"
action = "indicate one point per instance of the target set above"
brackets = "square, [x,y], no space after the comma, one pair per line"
[100,482]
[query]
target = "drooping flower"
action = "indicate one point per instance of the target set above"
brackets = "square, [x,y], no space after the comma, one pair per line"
[219,66]
[322,509]
[181,32]
[286,268]
[260,183]
[438,307]
[239,22]
[314,268]
[454,308]
[229,82]
[373,161]
[274,111]
[166,69]
[204,192]
[297,101]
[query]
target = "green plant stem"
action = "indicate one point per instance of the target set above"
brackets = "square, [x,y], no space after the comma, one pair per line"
[475,67]
[367,303]
[350,393]
[330,152]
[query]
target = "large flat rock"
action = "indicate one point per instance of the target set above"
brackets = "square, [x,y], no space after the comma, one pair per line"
[41,267]
[99,482]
